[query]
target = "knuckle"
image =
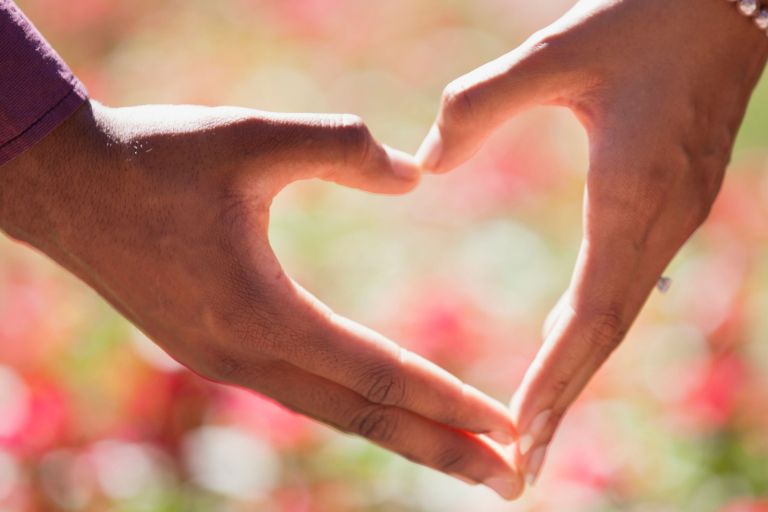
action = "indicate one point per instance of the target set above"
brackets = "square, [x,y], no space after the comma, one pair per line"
[702,175]
[222,367]
[560,385]
[705,189]
[383,385]
[550,51]
[542,42]
[374,422]
[555,417]
[606,329]
[456,103]
[354,136]
[699,213]
[544,47]
[451,459]
[550,39]
[350,126]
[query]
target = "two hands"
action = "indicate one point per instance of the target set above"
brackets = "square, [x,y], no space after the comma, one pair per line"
[164,211]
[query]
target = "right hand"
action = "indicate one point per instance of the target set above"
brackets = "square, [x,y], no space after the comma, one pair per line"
[164,210]
[661,87]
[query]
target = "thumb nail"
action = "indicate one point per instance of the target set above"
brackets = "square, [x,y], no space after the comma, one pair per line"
[431,150]
[537,426]
[502,437]
[535,463]
[504,487]
[403,165]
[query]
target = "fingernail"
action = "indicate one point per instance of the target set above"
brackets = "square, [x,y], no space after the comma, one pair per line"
[525,443]
[504,487]
[463,478]
[501,437]
[534,465]
[431,150]
[534,430]
[403,165]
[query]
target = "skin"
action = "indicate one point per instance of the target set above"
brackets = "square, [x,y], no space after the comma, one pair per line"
[164,211]
[661,87]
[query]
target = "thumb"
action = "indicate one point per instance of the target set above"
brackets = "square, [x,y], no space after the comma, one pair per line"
[476,104]
[341,149]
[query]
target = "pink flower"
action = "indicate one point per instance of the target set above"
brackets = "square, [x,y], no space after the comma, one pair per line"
[588,453]
[442,325]
[163,406]
[25,306]
[48,422]
[285,429]
[511,170]
[739,214]
[714,389]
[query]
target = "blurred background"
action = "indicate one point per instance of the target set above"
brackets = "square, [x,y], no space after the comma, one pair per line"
[94,418]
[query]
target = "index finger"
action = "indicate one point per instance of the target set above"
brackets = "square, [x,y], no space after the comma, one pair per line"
[457,453]
[349,354]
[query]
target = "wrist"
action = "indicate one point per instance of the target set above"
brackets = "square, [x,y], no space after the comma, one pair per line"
[746,24]
[754,10]
[40,189]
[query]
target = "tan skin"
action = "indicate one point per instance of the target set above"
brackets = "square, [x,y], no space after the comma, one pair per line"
[661,87]
[164,210]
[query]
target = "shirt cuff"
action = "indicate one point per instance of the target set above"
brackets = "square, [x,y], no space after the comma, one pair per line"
[37,89]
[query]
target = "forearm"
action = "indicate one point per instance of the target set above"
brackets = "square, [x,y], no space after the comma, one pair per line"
[38,186]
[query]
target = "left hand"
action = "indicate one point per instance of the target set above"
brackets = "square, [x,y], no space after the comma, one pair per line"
[661,87]
[164,210]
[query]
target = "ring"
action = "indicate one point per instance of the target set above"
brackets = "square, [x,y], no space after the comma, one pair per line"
[664,284]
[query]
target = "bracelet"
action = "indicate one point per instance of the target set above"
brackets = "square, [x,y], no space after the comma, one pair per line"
[753,9]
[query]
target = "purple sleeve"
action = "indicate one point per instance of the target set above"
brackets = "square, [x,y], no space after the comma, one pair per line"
[37,89]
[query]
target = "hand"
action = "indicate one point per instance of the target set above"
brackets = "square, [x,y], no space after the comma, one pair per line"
[661,87]
[164,210]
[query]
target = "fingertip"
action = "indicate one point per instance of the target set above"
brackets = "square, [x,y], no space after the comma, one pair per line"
[430,152]
[500,472]
[404,166]
[507,432]
[504,437]
[509,488]
[498,419]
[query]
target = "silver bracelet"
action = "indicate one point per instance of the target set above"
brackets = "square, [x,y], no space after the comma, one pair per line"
[753,9]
